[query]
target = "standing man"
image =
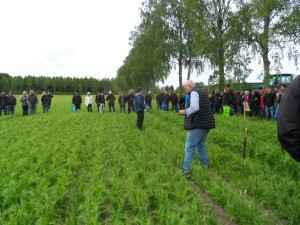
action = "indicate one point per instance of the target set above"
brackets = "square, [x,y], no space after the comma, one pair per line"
[11,103]
[89,102]
[198,120]
[166,99]
[45,99]
[174,100]
[33,101]
[254,102]
[50,96]
[122,102]
[130,99]
[97,100]
[3,103]
[111,101]
[25,103]
[159,100]
[289,120]
[77,100]
[148,99]
[101,102]
[139,107]
[269,99]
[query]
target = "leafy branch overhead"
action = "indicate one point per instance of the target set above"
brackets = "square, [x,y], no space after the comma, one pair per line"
[222,35]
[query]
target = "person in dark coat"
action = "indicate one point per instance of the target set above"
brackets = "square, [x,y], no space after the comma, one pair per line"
[159,100]
[97,100]
[269,99]
[111,101]
[139,107]
[50,96]
[289,120]
[33,101]
[77,100]
[217,102]
[229,96]
[166,99]
[122,102]
[254,100]
[129,100]
[11,103]
[148,99]
[3,103]
[181,101]
[101,102]
[174,100]
[45,99]
[198,120]
[238,101]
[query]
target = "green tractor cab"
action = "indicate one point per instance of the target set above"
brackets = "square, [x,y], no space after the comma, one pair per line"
[278,79]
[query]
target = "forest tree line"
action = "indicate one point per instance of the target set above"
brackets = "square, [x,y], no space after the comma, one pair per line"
[65,85]
[58,85]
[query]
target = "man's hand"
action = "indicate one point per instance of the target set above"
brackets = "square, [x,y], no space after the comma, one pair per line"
[181,112]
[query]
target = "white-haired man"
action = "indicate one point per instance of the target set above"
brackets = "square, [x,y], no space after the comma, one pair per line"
[111,101]
[198,120]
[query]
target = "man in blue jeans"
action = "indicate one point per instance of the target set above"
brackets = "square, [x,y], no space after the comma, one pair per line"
[198,120]
[269,99]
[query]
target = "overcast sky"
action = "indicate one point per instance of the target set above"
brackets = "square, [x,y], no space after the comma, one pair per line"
[66,37]
[73,38]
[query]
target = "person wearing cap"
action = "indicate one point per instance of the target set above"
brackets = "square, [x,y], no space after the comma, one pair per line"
[198,120]
[100,100]
[3,103]
[139,107]
[288,125]
[111,101]
[11,103]
[88,102]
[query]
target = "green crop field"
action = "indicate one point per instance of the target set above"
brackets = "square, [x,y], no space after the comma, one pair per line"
[85,168]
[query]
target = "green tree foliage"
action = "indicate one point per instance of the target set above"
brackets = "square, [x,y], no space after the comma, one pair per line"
[148,61]
[218,41]
[270,26]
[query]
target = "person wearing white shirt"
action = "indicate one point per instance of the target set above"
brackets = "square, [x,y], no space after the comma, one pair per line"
[89,102]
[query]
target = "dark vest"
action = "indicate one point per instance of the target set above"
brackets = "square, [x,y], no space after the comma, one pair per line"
[202,119]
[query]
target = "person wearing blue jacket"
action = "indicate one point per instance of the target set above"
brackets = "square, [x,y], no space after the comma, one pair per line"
[139,107]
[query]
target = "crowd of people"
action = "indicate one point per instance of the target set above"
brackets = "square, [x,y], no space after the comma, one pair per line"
[135,102]
[28,102]
[263,102]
